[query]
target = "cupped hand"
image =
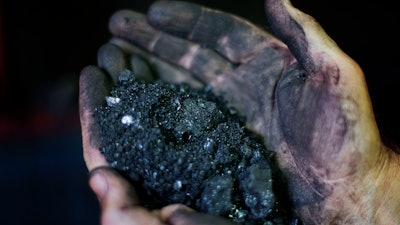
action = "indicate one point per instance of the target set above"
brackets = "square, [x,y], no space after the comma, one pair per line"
[301,92]
[296,87]
[120,204]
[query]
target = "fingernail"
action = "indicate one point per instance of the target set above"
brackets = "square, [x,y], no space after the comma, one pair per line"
[168,211]
[98,183]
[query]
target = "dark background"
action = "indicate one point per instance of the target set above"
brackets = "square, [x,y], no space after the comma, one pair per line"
[43,47]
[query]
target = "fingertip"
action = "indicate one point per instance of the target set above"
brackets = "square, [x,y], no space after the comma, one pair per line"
[116,23]
[89,70]
[112,189]
[112,59]
[98,183]
[174,16]
[174,212]
[141,68]
[132,26]
[93,86]
[86,76]
[167,213]
[119,203]
[179,214]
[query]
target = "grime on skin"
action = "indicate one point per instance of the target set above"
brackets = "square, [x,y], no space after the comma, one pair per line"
[298,90]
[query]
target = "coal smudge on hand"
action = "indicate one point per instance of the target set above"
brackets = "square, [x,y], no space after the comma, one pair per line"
[183,145]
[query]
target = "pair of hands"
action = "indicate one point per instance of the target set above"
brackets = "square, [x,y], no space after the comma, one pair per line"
[301,92]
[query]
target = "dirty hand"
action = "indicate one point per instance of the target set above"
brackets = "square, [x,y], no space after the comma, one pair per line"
[120,204]
[306,97]
[118,198]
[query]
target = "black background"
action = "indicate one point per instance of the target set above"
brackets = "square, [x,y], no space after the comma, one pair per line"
[46,44]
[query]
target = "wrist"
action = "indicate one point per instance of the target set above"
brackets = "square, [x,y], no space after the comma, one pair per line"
[372,197]
[385,199]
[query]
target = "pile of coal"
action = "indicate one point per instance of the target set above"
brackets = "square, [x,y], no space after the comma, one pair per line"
[183,145]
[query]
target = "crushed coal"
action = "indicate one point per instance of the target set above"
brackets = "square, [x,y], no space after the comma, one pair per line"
[184,145]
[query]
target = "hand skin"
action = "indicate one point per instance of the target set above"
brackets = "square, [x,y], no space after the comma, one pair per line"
[298,89]
[120,205]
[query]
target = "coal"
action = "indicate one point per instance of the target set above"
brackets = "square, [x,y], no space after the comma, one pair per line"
[184,145]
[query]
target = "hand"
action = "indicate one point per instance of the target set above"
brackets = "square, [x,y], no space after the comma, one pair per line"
[306,97]
[120,204]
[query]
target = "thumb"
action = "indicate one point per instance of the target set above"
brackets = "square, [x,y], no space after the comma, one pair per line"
[112,190]
[118,199]
[304,36]
[328,68]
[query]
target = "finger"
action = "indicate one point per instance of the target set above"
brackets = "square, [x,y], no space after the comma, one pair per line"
[230,35]
[111,188]
[307,40]
[178,214]
[325,64]
[112,59]
[94,84]
[204,63]
[118,199]
[140,68]
[173,74]
[162,69]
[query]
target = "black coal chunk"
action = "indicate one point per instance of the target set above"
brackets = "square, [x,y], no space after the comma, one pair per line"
[183,145]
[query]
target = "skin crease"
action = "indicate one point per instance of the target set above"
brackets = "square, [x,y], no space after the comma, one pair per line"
[301,92]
